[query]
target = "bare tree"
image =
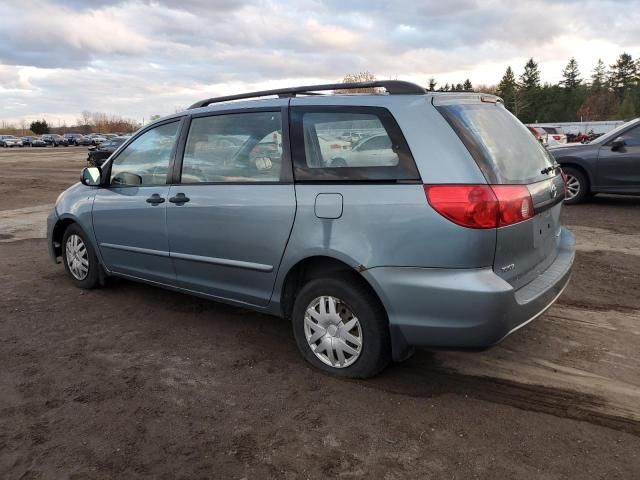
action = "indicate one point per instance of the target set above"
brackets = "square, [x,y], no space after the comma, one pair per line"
[357,78]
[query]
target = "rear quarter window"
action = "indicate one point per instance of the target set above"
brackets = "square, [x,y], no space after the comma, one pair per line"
[343,143]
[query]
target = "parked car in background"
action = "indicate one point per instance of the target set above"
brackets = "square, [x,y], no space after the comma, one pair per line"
[9,141]
[33,142]
[540,134]
[95,138]
[608,164]
[82,140]
[362,153]
[98,154]
[332,146]
[554,136]
[445,233]
[71,138]
[55,140]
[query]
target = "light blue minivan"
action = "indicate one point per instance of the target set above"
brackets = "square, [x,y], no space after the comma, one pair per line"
[375,222]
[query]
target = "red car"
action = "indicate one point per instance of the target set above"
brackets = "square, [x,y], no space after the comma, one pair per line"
[540,134]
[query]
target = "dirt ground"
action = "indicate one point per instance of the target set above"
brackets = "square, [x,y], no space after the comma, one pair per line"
[131,381]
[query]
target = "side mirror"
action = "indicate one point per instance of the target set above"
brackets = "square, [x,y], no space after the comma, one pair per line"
[91,176]
[618,143]
[126,178]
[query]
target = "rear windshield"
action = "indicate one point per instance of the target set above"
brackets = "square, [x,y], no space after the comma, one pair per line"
[504,149]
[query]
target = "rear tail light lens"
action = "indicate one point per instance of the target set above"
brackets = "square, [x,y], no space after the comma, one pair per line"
[557,137]
[481,206]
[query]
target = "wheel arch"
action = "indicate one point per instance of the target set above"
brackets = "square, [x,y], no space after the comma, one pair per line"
[311,267]
[315,266]
[573,163]
[58,232]
[61,225]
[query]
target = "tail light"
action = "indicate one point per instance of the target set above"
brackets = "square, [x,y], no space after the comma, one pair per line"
[481,206]
[335,146]
[557,137]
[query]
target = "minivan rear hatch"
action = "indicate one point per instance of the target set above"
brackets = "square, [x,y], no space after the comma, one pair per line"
[508,154]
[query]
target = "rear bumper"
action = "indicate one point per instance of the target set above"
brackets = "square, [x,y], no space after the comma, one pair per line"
[465,309]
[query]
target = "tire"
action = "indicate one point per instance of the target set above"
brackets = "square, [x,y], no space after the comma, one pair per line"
[371,328]
[90,278]
[577,186]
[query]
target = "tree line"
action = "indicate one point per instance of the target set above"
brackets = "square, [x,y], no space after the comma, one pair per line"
[609,93]
[89,122]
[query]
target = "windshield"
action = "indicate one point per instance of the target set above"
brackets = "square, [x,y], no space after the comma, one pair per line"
[501,145]
[615,132]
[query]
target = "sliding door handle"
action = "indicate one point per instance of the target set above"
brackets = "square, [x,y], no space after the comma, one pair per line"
[179,199]
[155,199]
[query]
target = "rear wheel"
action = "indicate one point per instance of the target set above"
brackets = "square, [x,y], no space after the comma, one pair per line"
[577,185]
[79,258]
[341,328]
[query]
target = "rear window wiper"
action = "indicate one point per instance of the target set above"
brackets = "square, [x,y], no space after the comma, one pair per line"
[552,168]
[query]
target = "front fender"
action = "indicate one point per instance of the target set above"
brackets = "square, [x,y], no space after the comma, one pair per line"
[76,205]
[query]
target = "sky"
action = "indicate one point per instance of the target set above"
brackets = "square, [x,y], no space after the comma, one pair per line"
[138,58]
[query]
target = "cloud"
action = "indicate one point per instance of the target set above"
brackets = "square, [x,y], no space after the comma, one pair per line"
[137,57]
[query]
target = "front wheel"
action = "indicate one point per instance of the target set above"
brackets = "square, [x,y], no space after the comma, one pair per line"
[341,327]
[577,186]
[79,258]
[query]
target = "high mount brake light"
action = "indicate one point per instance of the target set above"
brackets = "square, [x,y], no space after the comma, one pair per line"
[489,98]
[481,206]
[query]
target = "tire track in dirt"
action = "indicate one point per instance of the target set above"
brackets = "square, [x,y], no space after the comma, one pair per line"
[592,239]
[571,363]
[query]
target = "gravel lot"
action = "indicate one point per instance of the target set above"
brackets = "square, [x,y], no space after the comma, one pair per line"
[133,381]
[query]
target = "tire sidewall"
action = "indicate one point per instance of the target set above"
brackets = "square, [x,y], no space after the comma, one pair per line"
[584,185]
[93,278]
[375,354]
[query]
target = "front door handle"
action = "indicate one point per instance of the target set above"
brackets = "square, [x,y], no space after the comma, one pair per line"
[155,199]
[179,199]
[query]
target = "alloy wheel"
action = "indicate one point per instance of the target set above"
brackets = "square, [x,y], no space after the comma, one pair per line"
[573,187]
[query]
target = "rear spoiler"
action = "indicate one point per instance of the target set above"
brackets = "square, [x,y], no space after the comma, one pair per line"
[458,98]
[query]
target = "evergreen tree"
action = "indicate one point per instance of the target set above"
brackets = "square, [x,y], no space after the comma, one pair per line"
[467,87]
[627,110]
[39,127]
[530,78]
[508,83]
[458,87]
[445,88]
[599,76]
[507,89]
[623,74]
[571,75]
[432,84]
[530,86]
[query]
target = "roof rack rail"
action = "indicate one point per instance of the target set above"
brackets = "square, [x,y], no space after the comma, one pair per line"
[393,87]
